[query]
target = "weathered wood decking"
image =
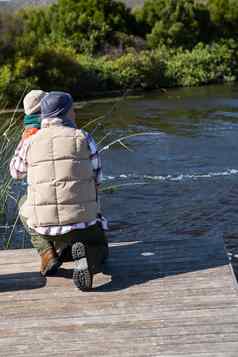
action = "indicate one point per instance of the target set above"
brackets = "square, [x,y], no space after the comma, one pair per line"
[162,298]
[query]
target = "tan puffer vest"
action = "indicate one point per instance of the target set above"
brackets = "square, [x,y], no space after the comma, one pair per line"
[61,186]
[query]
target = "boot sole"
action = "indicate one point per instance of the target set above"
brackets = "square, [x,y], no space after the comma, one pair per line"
[82,276]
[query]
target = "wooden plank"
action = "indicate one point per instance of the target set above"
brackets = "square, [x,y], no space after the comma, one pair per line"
[107,346]
[171,299]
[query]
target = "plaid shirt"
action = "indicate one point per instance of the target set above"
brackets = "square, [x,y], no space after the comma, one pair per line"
[18,170]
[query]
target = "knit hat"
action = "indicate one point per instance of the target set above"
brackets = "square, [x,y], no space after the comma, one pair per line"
[56,104]
[32,101]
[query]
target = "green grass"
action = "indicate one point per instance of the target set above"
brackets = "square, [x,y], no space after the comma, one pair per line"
[10,133]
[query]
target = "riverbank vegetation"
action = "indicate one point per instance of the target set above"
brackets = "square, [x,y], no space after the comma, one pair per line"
[89,47]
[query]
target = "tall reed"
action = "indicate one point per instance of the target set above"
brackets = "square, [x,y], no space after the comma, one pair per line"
[9,136]
[10,133]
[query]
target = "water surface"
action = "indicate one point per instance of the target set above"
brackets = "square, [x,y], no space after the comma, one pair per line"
[181,182]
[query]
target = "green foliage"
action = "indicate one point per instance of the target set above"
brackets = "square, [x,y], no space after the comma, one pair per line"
[132,71]
[224,14]
[88,25]
[90,46]
[9,29]
[61,68]
[187,22]
[15,79]
[34,29]
[5,78]
[175,22]
[205,64]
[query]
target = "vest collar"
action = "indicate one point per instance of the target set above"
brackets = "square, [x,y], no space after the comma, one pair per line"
[49,122]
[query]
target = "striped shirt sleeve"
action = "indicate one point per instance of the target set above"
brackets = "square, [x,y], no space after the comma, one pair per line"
[18,164]
[95,158]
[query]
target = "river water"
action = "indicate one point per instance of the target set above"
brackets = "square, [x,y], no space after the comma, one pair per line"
[183,180]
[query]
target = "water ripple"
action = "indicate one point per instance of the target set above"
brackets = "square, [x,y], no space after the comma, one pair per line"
[179,177]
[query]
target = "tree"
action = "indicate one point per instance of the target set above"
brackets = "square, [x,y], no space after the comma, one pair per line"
[35,29]
[89,24]
[224,15]
[175,22]
[9,29]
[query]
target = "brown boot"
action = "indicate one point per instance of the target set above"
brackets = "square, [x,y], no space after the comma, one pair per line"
[49,262]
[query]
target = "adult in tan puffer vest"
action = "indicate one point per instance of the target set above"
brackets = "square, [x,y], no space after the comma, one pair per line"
[63,172]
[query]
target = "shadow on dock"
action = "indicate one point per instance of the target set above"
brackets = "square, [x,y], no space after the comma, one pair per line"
[134,263]
[21,281]
[138,263]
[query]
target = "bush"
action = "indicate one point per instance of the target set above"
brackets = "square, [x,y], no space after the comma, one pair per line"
[205,64]
[61,68]
[16,79]
[144,70]
[224,15]
[175,22]
[34,29]
[9,30]
[5,78]
[88,25]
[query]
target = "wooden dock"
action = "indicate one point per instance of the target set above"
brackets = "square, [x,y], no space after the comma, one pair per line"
[159,298]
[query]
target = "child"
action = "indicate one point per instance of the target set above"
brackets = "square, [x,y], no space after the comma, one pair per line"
[31,105]
[32,123]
